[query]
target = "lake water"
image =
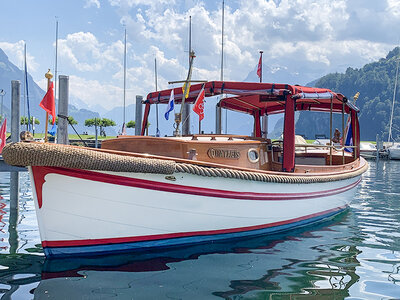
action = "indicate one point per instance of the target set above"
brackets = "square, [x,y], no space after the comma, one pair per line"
[354,256]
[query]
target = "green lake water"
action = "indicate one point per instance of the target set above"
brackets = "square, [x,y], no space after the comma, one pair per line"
[354,256]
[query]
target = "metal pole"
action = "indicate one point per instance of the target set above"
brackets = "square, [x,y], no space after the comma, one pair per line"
[343,141]
[124,76]
[138,116]
[62,130]
[330,131]
[14,176]
[2,93]
[218,117]
[96,142]
[15,110]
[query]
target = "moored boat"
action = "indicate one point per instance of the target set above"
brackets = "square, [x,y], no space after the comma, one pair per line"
[139,192]
[394,151]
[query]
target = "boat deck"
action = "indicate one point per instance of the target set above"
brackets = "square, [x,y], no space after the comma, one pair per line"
[234,151]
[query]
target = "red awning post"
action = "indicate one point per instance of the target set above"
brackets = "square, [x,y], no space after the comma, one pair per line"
[145,117]
[257,123]
[289,135]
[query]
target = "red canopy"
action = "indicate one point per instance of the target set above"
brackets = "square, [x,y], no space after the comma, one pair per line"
[267,98]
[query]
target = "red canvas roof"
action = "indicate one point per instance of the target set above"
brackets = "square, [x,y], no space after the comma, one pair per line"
[249,97]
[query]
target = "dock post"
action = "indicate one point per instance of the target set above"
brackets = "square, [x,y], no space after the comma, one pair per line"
[15,125]
[14,176]
[186,119]
[218,113]
[378,148]
[63,94]
[138,117]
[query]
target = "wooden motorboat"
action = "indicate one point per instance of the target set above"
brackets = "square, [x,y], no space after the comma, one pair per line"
[141,192]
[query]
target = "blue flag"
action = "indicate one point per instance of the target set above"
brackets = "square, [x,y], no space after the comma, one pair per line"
[349,138]
[170,106]
[53,130]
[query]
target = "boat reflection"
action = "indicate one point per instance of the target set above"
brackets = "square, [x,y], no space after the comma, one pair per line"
[260,267]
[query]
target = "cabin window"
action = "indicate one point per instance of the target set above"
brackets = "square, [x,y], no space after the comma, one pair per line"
[253,155]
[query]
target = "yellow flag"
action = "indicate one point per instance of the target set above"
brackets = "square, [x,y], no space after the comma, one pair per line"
[183,89]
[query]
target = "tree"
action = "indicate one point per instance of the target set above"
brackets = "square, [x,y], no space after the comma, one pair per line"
[70,119]
[100,122]
[131,124]
[24,121]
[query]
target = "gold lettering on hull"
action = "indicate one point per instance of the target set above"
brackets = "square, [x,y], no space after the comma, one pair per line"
[223,153]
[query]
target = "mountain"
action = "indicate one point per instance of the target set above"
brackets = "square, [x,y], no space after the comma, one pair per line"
[9,72]
[375,82]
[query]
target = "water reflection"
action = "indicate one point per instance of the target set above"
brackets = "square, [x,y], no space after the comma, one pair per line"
[306,262]
[354,256]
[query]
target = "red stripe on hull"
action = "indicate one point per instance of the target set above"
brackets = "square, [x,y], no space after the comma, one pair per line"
[90,242]
[40,172]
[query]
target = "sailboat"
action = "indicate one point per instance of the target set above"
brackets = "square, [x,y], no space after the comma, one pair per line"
[394,148]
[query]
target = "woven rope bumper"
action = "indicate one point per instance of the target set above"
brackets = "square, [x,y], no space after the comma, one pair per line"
[54,155]
[40,154]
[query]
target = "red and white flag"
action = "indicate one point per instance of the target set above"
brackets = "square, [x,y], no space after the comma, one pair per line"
[48,103]
[3,135]
[259,67]
[198,106]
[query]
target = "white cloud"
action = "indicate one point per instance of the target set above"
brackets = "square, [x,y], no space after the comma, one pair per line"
[90,3]
[84,52]
[15,53]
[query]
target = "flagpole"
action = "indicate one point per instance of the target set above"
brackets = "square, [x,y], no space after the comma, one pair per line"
[49,76]
[261,53]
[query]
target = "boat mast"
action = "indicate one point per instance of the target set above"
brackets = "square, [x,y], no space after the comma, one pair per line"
[124,79]
[394,97]
[55,64]
[222,60]
[155,79]
[28,127]
[25,81]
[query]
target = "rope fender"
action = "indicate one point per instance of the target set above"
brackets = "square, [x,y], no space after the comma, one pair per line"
[55,155]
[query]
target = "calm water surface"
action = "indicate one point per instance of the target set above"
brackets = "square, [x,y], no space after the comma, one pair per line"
[354,256]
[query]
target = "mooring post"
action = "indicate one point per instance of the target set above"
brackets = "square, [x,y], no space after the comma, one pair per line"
[63,93]
[14,176]
[218,118]
[138,116]
[378,148]
[15,125]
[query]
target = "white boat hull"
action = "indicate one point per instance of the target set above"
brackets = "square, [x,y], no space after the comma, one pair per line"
[93,212]
[394,153]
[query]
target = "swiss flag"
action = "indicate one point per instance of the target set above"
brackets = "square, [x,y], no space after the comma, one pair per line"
[48,103]
[198,107]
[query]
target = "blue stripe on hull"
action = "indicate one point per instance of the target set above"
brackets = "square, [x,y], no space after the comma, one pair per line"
[165,243]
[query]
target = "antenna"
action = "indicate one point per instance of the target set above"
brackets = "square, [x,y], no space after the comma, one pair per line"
[222,41]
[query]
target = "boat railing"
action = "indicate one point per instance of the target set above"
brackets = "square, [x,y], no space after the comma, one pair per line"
[277,147]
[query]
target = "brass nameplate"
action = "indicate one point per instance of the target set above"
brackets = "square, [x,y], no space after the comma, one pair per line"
[223,153]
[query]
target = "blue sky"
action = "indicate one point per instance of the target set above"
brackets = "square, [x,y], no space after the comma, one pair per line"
[302,37]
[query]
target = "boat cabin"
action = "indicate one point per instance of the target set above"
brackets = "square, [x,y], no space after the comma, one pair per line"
[257,151]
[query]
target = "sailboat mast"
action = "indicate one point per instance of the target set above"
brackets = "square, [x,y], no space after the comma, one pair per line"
[222,60]
[28,127]
[394,97]
[55,64]
[155,79]
[222,41]
[25,82]
[124,78]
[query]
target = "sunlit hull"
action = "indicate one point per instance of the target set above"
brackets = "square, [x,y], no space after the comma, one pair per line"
[91,212]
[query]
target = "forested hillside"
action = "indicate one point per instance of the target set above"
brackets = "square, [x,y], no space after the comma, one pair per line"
[375,82]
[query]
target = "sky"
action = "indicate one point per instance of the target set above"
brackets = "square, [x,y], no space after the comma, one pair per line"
[302,37]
